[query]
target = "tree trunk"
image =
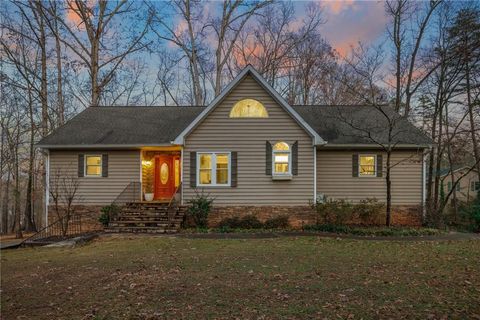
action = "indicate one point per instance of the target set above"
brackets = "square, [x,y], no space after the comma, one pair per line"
[471,116]
[60,101]
[389,189]
[43,50]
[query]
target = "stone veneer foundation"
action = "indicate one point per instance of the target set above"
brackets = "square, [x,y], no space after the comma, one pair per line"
[304,215]
[298,215]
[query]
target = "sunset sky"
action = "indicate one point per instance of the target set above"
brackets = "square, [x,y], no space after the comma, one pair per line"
[350,21]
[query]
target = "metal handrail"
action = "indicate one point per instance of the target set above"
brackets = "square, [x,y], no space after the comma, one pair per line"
[130,192]
[64,227]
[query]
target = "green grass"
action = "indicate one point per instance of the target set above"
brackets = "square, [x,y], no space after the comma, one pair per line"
[304,277]
[374,231]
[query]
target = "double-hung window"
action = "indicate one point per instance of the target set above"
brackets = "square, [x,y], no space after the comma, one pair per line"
[282,159]
[213,169]
[93,165]
[475,185]
[367,165]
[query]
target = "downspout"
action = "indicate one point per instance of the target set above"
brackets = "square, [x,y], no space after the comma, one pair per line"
[47,185]
[424,181]
[314,174]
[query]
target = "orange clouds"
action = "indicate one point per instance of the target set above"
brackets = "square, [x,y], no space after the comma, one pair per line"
[337,6]
[73,12]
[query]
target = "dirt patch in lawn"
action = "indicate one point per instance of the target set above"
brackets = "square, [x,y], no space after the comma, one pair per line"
[286,277]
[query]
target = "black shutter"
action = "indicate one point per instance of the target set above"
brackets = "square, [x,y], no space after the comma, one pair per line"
[268,159]
[104,165]
[233,165]
[355,165]
[81,165]
[193,169]
[379,165]
[295,158]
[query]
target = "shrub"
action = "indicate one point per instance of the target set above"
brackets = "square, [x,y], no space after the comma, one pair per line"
[332,211]
[277,222]
[200,207]
[231,223]
[108,212]
[246,222]
[471,213]
[370,211]
[250,222]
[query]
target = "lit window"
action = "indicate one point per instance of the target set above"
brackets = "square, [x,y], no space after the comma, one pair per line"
[93,165]
[281,158]
[367,166]
[248,108]
[177,172]
[213,169]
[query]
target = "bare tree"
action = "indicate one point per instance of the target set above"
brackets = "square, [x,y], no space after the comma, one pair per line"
[64,194]
[102,54]
[235,14]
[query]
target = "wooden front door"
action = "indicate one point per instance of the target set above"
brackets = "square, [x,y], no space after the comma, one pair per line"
[164,177]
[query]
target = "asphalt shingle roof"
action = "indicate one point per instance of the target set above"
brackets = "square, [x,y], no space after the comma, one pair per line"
[353,124]
[123,126]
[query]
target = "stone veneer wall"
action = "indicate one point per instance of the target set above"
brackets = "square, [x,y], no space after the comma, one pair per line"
[303,215]
[90,214]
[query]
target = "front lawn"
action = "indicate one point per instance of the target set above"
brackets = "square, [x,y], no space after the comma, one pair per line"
[305,277]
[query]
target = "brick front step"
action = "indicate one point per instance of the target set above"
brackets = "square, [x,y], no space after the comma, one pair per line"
[146,217]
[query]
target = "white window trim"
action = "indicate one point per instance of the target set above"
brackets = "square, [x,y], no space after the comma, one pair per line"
[360,175]
[289,151]
[85,166]
[214,169]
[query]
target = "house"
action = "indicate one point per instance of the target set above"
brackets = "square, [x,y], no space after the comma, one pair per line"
[248,149]
[466,189]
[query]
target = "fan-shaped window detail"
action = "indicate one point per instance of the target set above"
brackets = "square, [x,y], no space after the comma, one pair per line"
[248,108]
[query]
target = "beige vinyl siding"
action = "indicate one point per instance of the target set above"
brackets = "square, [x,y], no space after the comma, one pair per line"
[123,168]
[334,177]
[465,185]
[247,136]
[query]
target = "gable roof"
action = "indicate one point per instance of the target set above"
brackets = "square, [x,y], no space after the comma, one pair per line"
[346,125]
[249,70]
[121,127]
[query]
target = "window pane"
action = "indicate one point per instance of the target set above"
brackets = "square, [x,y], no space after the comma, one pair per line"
[222,161]
[281,157]
[205,176]
[94,160]
[205,161]
[248,108]
[93,170]
[282,146]
[367,165]
[177,173]
[222,176]
[281,167]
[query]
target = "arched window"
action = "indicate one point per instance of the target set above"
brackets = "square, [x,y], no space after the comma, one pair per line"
[282,158]
[248,108]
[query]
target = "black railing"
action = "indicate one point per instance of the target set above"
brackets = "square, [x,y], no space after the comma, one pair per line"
[64,228]
[131,193]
